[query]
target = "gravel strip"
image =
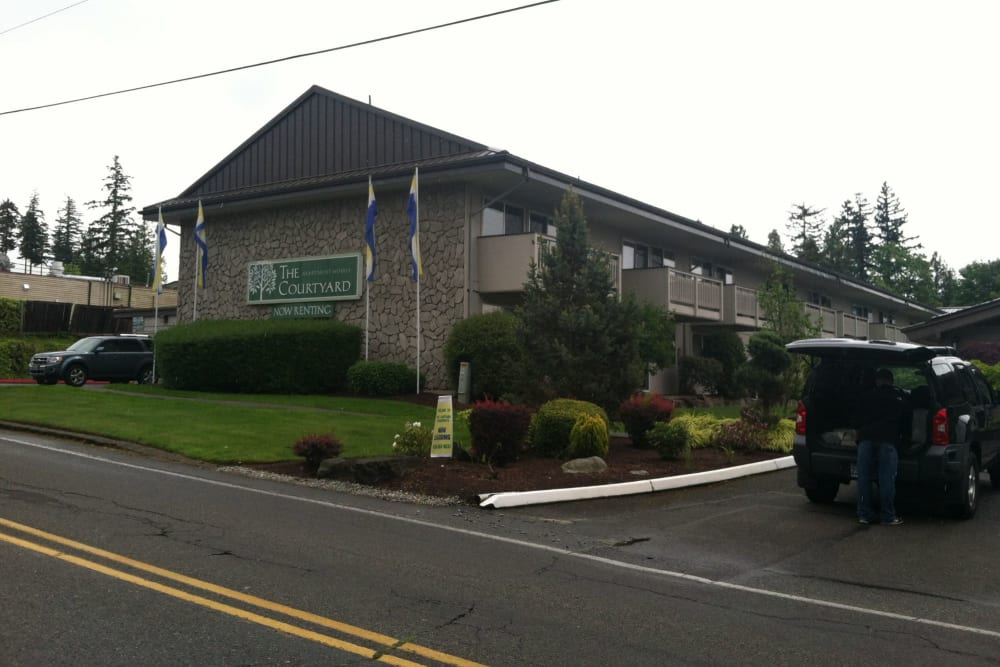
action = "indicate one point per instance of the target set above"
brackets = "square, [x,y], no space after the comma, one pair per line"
[348,487]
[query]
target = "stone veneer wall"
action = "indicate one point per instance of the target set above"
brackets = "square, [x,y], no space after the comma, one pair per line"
[335,227]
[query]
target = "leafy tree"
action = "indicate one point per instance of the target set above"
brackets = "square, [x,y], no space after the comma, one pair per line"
[782,309]
[774,242]
[10,220]
[805,225]
[980,281]
[739,231]
[727,348]
[581,340]
[66,235]
[34,235]
[113,231]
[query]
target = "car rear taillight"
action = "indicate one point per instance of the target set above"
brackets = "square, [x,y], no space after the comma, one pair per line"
[800,419]
[939,428]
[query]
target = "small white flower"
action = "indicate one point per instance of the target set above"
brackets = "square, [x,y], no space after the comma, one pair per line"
[415,424]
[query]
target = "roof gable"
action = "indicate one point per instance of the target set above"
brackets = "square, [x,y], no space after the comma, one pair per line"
[323,133]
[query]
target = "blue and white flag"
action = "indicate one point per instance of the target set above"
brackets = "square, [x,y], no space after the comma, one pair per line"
[370,234]
[199,238]
[158,259]
[412,210]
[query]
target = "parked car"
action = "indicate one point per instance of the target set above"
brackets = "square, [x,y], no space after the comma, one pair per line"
[950,434]
[120,358]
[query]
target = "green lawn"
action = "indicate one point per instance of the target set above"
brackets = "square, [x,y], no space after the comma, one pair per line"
[212,427]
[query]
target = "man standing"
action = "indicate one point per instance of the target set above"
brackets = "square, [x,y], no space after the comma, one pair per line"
[882,411]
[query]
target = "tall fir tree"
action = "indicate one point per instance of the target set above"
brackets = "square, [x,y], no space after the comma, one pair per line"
[10,224]
[836,254]
[774,242]
[584,341]
[34,235]
[66,236]
[853,229]
[138,259]
[805,227]
[895,252]
[945,283]
[90,259]
[111,232]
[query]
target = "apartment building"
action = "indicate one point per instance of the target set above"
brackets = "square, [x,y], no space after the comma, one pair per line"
[295,194]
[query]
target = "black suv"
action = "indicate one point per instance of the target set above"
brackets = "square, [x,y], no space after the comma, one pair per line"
[114,358]
[951,433]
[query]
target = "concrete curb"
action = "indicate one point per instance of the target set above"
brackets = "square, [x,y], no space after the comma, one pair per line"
[520,498]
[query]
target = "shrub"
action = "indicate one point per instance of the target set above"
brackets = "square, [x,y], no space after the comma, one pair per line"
[589,437]
[415,440]
[727,348]
[258,356]
[381,378]
[551,427]
[701,427]
[498,431]
[317,447]
[672,440]
[992,373]
[491,345]
[740,436]
[700,373]
[10,317]
[781,437]
[987,352]
[641,412]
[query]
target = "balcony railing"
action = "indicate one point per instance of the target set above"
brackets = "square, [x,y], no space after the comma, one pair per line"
[852,326]
[504,261]
[886,332]
[677,292]
[741,307]
[826,318]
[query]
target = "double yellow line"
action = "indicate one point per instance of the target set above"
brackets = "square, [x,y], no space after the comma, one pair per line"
[385,642]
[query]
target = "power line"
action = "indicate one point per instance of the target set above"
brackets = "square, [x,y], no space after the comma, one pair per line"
[280,60]
[4,32]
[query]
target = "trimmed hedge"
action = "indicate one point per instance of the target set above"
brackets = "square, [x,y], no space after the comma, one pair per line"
[554,421]
[10,318]
[381,378]
[258,356]
[15,353]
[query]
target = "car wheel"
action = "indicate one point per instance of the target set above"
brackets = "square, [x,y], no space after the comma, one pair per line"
[966,507]
[76,375]
[145,375]
[824,492]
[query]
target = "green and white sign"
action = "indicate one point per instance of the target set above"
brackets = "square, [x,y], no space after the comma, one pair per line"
[298,311]
[331,278]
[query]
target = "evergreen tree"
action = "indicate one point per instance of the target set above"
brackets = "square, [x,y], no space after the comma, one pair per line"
[774,242]
[66,235]
[583,342]
[835,252]
[112,231]
[945,283]
[805,226]
[853,230]
[10,221]
[90,258]
[782,309]
[739,231]
[895,251]
[34,235]
[137,260]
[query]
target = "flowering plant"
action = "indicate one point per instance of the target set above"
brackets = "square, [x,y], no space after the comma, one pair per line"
[415,440]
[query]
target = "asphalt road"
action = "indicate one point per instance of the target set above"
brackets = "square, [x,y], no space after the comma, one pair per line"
[108,558]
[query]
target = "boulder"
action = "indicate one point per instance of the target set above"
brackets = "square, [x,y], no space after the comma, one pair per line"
[589,464]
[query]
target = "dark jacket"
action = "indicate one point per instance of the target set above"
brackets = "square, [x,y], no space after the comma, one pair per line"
[882,412]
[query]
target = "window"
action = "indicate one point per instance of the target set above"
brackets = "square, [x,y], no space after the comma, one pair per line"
[513,220]
[724,275]
[886,318]
[820,299]
[700,267]
[668,259]
[628,255]
[656,256]
[493,221]
[860,311]
[541,224]
[641,257]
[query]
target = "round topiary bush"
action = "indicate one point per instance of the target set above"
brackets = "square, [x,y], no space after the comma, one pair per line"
[671,439]
[589,437]
[381,378]
[490,344]
[314,448]
[554,421]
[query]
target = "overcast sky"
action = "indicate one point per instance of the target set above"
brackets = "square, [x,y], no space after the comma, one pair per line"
[723,111]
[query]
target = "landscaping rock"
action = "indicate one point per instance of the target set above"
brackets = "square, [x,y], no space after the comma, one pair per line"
[370,470]
[588,465]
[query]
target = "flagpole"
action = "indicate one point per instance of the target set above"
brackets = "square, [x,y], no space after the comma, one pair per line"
[416,178]
[368,285]
[197,264]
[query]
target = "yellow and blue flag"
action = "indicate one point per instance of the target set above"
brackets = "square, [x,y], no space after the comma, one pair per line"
[412,209]
[161,245]
[370,234]
[199,238]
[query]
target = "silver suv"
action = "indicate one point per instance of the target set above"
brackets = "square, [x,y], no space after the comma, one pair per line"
[112,358]
[951,433]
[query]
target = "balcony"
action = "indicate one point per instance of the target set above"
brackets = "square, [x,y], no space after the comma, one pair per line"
[740,307]
[676,292]
[886,332]
[503,261]
[852,326]
[826,318]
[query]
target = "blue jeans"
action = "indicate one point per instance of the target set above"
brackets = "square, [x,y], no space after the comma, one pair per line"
[877,459]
